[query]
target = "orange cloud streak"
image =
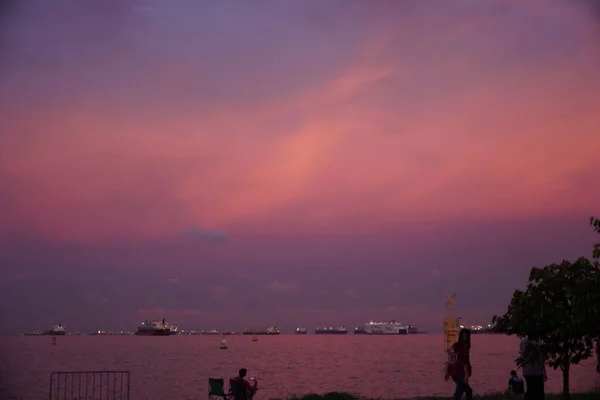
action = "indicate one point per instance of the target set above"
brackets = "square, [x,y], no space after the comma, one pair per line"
[365,148]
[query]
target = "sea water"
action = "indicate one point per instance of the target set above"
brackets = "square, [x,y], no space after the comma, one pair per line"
[178,367]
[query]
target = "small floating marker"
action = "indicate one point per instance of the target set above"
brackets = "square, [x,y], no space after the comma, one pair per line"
[223,344]
[54,340]
[255,338]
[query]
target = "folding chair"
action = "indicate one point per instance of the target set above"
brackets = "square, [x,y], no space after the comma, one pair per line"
[216,389]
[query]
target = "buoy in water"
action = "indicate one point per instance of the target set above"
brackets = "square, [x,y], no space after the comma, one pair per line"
[223,344]
[54,340]
[255,338]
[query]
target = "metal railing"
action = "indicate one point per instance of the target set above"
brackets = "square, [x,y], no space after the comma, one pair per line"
[89,385]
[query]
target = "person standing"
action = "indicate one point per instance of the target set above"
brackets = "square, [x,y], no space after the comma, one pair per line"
[534,368]
[459,365]
[598,356]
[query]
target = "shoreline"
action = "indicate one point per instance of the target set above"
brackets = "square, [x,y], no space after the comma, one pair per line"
[591,395]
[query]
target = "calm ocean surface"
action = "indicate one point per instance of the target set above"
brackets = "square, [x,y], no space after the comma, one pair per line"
[177,367]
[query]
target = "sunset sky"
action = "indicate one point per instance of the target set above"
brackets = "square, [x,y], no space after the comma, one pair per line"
[246,163]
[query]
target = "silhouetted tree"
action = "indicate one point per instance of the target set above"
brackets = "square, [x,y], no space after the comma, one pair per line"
[595,223]
[560,307]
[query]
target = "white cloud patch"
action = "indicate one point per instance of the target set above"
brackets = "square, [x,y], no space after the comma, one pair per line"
[207,235]
[242,275]
[279,287]
[218,289]
[191,311]
[156,311]
[435,273]
[164,312]
[398,285]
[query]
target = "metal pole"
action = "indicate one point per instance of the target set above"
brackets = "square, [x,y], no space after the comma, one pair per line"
[449,324]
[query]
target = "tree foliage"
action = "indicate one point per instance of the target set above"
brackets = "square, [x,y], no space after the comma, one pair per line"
[595,223]
[561,307]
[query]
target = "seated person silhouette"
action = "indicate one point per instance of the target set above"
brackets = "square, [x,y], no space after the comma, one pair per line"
[515,384]
[241,389]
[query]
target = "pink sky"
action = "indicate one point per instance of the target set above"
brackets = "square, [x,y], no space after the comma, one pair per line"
[365,144]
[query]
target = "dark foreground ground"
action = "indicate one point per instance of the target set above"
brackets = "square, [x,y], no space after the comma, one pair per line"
[494,396]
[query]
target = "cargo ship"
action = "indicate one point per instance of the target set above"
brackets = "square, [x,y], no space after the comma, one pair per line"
[154,328]
[478,329]
[385,328]
[300,330]
[271,330]
[173,328]
[211,332]
[56,330]
[360,330]
[99,333]
[331,331]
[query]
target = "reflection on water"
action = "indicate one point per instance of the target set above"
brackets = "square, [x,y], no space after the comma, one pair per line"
[178,367]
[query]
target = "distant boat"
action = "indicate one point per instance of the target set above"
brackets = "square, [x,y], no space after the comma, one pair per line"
[331,331]
[385,328]
[154,328]
[56,330]
[210,332]
[478,329]
[301,330]
[173,329]
[223,344]
[271,330]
